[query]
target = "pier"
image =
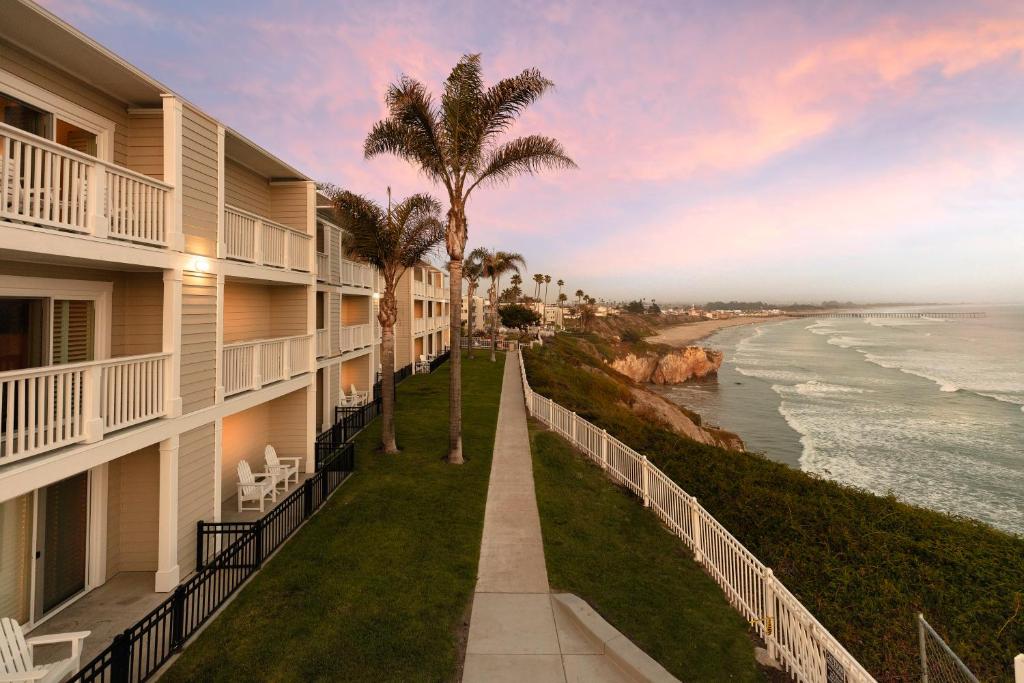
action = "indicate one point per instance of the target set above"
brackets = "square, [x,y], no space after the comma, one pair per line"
[894,314]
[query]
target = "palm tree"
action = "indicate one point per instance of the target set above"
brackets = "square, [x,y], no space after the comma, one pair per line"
[457,142]
[495,264]
[539,280]
[561,283]
[472,271]
[547,281]
[579,296]
[517,280]
[392,241]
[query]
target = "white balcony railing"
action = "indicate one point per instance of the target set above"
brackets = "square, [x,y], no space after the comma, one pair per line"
[54,406]
[323,266]
[254,239]
[253,364]
[356,274]
[49,185]
[323,339]
[419,325]
[355,337]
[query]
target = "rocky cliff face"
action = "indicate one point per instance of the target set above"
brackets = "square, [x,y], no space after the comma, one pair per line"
[672,367]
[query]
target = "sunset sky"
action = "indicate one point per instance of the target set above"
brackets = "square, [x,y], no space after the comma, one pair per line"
[783,151]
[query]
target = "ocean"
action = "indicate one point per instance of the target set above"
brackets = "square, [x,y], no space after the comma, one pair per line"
[930,410]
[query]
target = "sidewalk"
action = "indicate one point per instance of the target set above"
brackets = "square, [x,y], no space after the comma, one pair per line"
[515,633]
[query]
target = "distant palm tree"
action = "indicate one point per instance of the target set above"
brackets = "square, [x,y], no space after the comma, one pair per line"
[562,298]
[457,143]
[539,280]
[472,271]
[579,296]
[494,265]
[547,281]
[561,283]
[516,280]
[391,240]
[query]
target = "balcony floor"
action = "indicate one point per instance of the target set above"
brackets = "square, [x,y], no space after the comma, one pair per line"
[229,507]
[106,611]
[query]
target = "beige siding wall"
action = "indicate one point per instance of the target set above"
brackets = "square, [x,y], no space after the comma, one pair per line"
[20,63]
[292,204]
[146,142]
[199,164]
[334,389]
[288,425]
[195,490]
[133,509]
[254,311]
[355,310]
[198,341]
[356,371]
[138,314]
[334,318]
[403,331]
[245,189]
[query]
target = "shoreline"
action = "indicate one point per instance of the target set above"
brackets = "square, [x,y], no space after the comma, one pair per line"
[686,334]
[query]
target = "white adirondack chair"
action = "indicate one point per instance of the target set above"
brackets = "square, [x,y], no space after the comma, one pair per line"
[343,400]
[255,487]
[423,365]
[358,397]
[280,466]
[16,654]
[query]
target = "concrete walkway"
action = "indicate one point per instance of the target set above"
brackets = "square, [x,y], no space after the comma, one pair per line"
[516,633]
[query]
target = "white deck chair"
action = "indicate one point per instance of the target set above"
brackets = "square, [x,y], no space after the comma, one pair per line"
[16,653]
[281,466]
[343,400]
[358,397]
[423,365]
[255,487]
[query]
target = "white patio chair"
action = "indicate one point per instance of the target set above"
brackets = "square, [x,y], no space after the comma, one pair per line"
[343,400]
[358,398]
[255,486]
[423,365]
[16,654]
[281,466]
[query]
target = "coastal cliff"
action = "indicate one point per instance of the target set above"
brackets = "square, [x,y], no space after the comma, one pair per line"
[669,367]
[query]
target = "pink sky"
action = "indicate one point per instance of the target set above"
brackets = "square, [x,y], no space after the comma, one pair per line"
[786,151]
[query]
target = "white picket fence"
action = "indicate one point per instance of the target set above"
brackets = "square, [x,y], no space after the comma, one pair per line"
[793,636]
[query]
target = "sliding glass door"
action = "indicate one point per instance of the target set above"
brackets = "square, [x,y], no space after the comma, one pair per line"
[61,542]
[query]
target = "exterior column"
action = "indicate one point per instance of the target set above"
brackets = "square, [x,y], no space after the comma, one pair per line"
[98,495]
[218,463]
[172,171]
[168,572]
[311,426]
[172,339]
[221,246]
[219,361]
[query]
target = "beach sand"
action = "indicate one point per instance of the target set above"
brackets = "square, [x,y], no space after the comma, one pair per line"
[688,333]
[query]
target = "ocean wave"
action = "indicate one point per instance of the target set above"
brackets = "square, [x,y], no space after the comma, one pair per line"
[820,389]
[775,375]
[845,342]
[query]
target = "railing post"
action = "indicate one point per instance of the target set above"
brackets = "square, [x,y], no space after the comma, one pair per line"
[307,497]
[258,541]
[200,548]
[1018,668]
[646,472]
[287,360]
[257,374]
[96,195]
[257,241]
[121,658]
[92,401]
[604,449]
[178,619]
[768,582]
[698,549]
[922,646]
[572,421]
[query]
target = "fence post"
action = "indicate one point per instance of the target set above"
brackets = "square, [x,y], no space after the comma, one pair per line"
[698,550]
[923,648]
[646,475]
[307,497]
[200,551]
[121,658]
[178,619]
[604,449]
[1018,668]
[768,581]
[572,421]
[258,530]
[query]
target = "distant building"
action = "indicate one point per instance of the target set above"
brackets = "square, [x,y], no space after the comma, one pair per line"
[479,319]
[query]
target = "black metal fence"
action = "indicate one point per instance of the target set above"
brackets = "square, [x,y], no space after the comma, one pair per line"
[227,555]
[436,362]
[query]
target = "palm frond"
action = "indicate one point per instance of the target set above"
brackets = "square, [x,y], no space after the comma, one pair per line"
[460,107]
[502,103]
[411,131]
[528,154]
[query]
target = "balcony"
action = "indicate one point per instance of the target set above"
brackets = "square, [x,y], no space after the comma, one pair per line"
[355,337]
[323,267]
[250,365]
[255,239]
[356,274]
[323,343]
[50,407]
[46,184]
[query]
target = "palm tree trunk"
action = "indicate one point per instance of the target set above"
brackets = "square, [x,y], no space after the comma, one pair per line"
[455,364]
[469,318]
[387,382]
[494,318]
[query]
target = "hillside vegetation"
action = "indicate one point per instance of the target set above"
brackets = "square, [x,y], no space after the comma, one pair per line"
[863,564]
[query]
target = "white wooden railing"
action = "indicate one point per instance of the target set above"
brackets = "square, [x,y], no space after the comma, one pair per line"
[323,341]
[323,265]
[794,637]
[255,239]
[355,337]
[46,408]
[419,325]
[356,274]
[46,184]
[253,364]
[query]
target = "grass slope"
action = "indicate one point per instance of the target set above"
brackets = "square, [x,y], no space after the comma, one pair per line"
[602,545]
[375,585]
[863,564]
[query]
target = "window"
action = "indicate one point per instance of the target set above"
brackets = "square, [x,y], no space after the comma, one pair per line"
[26,117]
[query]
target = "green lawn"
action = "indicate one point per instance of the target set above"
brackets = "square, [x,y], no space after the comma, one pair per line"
[601,544]
[376,585]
